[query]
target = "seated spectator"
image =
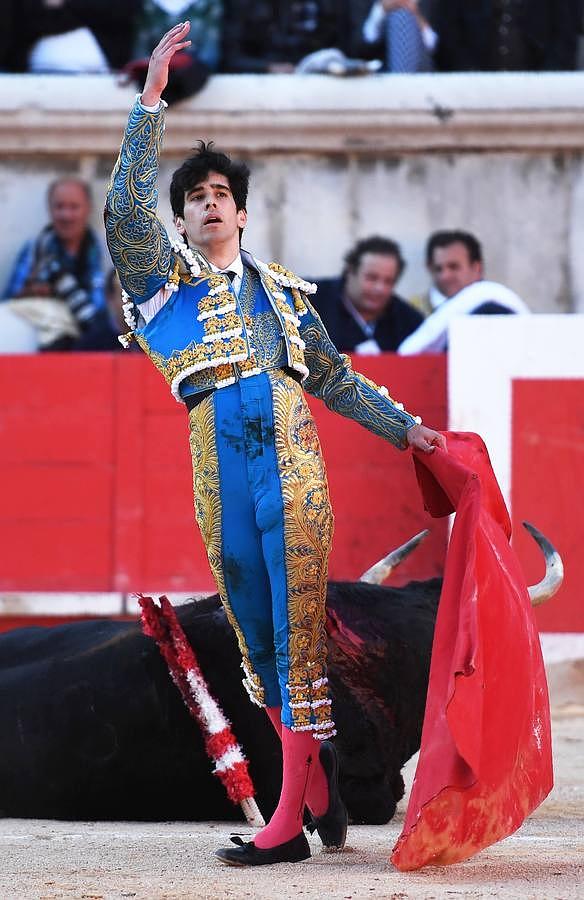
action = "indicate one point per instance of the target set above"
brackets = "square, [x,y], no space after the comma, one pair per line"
[102,335]
[358,12]
[57,281]
[67,35]
[506,35]
[360,310]
[191,67]
[98,36]
[270,36]
[455,263]
[402,28]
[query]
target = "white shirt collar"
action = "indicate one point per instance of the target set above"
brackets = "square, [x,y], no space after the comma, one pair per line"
[235,266]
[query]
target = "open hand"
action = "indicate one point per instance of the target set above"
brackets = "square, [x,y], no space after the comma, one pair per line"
[425,439]
[157,76]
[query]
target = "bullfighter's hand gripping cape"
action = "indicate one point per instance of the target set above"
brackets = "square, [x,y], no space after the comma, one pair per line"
[485,759]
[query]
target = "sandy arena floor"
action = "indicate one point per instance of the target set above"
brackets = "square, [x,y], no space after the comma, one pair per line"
[45,860]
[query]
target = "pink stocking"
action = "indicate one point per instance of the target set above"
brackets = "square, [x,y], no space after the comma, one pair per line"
[317,796]
[298,753]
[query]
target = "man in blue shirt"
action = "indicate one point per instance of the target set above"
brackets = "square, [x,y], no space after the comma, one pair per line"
[64,262]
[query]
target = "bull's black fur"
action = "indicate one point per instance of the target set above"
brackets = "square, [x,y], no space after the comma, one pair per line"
[92,727]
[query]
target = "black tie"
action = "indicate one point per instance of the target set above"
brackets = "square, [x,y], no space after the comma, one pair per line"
[231,275]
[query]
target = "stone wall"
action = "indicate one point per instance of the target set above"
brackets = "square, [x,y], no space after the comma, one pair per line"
[336,160]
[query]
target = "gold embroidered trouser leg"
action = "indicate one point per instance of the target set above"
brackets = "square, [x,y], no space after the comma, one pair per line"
[262,504]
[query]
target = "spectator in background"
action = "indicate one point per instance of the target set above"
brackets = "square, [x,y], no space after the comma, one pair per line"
[403,28]
[358,12]
[66,35]
[109,322]
[455,263]
[360,310]
[205,16]
[57,280]
[191,67]
[98,36]
[272,36]
[506,35]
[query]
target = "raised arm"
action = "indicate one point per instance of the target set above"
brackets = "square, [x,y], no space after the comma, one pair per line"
[137,240]
[333,380]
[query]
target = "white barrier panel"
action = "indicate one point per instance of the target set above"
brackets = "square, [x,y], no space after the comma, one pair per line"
[61,603]
[487,353]
[16,335]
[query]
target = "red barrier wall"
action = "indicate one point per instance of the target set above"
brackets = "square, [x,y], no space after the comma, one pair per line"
[548,488]
[96,485]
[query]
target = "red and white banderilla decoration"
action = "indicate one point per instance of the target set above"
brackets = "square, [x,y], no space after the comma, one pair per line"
[161,623]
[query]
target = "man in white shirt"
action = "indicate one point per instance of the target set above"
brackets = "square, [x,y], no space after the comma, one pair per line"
[455,262]
[409,38]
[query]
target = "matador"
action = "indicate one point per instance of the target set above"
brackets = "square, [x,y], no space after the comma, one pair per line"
[239,343]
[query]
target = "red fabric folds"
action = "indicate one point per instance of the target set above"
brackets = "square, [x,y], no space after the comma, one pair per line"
[485,759]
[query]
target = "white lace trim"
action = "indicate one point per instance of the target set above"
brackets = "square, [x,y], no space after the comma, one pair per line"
[221,310]
[222,335]
[292,282]
[196,367]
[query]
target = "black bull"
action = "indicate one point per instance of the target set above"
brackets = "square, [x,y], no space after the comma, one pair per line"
[92,726]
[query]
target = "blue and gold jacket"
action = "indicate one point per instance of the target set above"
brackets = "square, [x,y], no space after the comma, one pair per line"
[196,330]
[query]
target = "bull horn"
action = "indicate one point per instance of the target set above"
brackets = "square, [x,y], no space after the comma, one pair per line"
[382,569]
[554,569]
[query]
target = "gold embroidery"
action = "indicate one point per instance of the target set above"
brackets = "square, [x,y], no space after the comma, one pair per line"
[217,280]
[208,511]
[308,525]
[264,331]
[332,379]
[249,366]
[174,277]
[290,319]
[137,240]
[298,362]
[299,304]
[211,304]
[223,342]
[222,326]
[225,374]
[218,355]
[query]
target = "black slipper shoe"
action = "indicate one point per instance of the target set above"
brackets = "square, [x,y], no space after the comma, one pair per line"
[332,826]
[247,854]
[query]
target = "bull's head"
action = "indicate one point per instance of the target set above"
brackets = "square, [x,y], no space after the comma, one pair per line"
[539,593]
[380,643]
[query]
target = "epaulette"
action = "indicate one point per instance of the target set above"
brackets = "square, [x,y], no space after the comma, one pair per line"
[285,278]
[187,262]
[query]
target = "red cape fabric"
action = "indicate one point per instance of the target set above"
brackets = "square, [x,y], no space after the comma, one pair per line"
[485,759]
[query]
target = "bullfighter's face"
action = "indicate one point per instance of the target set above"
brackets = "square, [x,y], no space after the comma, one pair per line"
[211,220]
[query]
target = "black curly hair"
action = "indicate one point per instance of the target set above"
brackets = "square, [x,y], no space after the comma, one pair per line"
[195,169]
[375,244]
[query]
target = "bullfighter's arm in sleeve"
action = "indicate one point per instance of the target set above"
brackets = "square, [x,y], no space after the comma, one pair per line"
[333,380]
[137,240]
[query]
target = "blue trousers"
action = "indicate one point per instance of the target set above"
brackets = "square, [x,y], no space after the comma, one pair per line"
[262,504]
